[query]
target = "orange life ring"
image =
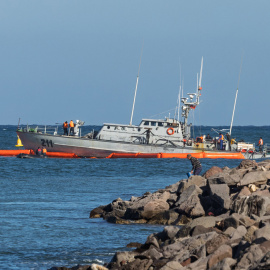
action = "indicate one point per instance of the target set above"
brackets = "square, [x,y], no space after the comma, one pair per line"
[170,131]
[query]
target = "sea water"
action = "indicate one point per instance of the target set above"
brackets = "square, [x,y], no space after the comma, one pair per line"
[45,203]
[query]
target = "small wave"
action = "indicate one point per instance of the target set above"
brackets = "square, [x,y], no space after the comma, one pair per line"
[94,261]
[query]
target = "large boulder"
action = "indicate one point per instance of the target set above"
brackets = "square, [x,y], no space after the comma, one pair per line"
[264,263]
[189,202]
[250,205]
[213,244]
[152,208]
[222,252]
[121,258]
[200,264]
[247,163]
[207,222]
[147,206]
[225,178]
[256,178]
[263,232]
[220,195]
[250,258]
[168,217]
[225,264]
[212,171]
[193,180]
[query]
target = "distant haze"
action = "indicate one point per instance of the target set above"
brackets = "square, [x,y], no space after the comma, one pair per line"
[63,60]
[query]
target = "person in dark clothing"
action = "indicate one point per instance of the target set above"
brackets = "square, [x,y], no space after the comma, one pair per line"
[196,165]
[208,137]
[228,137]
[65,127]
[38,152]
[147,135]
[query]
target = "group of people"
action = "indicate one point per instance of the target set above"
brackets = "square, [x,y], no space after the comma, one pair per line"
[70,126]
[41,151]
[196,164]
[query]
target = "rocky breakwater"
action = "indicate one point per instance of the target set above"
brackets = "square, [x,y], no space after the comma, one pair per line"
[225,218]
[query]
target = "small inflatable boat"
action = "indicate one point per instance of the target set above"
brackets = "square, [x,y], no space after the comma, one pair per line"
[29,156]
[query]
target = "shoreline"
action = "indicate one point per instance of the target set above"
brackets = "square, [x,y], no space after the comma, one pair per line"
[220,220]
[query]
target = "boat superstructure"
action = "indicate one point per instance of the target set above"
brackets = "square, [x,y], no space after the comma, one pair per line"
[169,135]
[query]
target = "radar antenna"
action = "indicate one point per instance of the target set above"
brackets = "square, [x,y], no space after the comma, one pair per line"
[190,103]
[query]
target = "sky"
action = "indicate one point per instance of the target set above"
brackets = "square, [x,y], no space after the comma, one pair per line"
[63,60]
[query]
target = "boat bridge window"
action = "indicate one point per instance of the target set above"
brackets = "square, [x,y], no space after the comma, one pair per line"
[146,123]
[139,129]
[108,127]
[160,124]
[153,124]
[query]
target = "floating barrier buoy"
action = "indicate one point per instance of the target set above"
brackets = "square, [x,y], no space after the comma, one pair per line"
[177,155]
[19,142]
[131,155]
[10,153]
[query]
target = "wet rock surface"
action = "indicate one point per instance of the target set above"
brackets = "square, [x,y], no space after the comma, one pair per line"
[219,221]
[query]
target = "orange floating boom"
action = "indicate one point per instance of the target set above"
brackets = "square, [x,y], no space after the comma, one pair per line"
[131,155]
[178,155]
[224,155]
[10,153]
[61,155]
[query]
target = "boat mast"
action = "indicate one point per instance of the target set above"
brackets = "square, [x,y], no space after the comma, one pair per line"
[130,123]
[188,105]
[236,96]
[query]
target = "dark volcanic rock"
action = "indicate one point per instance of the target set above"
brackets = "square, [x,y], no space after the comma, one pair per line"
[251,205]
[256,178]
[227,222]
[196,180]
[189,202]
[219,194]
[247,163]
[212,171]
[224,251]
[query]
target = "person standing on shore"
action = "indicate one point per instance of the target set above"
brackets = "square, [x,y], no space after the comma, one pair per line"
[196,165]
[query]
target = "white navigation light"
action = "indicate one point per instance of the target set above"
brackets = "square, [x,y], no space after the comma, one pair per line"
[184,108]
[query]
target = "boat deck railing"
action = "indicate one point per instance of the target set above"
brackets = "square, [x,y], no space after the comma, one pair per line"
[46,129]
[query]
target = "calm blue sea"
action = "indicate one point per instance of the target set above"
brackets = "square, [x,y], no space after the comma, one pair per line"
[45,203]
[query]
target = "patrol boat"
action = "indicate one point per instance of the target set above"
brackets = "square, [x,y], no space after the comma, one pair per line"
[161,138]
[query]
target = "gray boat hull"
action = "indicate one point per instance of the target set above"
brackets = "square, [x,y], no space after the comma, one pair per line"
[85,147]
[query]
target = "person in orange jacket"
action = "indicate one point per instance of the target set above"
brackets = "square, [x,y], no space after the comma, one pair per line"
[260,144]
[220,140]
[44,151]
[71,125]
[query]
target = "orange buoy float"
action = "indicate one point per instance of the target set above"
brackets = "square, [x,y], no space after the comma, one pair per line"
[10,153]
[170,131]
